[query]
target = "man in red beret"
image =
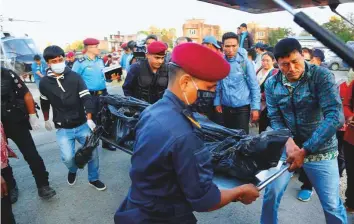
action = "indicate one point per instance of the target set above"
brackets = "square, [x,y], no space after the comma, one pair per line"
[90,68]
[70,59]
[147,79]
[171,169]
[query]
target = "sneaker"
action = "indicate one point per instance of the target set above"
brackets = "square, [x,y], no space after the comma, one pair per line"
[98,185]
[46,192]
[305,195]
[14,194]
[108,146]
[71,178]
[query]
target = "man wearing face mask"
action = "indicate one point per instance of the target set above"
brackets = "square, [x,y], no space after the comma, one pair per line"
[147,79]
[90,68]
[72,106]
[304,98]
[171,170]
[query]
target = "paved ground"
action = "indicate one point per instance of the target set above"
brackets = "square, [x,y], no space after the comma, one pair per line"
[84,205]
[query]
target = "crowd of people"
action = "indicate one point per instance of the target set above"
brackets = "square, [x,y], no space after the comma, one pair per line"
[234,82]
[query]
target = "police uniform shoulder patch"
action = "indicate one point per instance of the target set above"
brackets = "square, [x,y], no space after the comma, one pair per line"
[189,116]
[81,59]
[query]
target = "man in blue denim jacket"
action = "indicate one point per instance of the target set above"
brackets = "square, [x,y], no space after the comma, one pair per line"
[305,99]
[239,92]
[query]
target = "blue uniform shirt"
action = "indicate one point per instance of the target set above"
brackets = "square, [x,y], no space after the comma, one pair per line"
[41,67]
[171,170]
[240,87]
[91,72]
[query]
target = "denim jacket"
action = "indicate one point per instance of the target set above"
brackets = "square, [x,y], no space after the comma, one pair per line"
[312,111]
[240,87]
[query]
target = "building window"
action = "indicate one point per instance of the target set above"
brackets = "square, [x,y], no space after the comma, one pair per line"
[260,34]
[192,32]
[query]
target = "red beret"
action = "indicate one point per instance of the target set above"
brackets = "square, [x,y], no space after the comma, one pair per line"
[200,62]
[157,47]
[70,54]
[124,45]
[91,41]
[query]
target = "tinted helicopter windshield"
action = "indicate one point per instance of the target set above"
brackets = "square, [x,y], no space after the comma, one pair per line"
[19,47]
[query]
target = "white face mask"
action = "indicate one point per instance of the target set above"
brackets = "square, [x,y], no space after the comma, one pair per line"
[58,68]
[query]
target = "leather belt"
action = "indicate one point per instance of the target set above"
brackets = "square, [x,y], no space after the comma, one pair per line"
[98,92]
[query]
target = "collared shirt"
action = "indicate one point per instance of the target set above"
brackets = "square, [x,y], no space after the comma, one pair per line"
[91,72]
[311,109]
[171,168]
[240,87]
[41,68]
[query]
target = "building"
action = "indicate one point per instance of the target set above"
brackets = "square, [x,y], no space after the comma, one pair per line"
[113,41]
[260,34]
[196,29]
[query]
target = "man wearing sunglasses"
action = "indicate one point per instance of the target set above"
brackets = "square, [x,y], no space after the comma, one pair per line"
[72,106]
[147,79]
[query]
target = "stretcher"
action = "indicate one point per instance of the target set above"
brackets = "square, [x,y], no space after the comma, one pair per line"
[237,158]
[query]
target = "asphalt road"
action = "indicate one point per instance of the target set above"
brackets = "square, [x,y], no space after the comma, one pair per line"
[83,204]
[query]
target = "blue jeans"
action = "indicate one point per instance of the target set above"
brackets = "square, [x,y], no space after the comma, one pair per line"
[324,176]
[66,140]
[37,82]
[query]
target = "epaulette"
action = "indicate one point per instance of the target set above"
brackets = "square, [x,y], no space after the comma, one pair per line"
[81,59]
[189,115]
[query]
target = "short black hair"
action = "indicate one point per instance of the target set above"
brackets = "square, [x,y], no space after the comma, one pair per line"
[270,49]
[252,52]
[220,44]
[173,72]
[285,47]
[151,36]
[37,57]
[270,54]
[243,25]
[229,35]
[189,39]
[52,52]
[109,56]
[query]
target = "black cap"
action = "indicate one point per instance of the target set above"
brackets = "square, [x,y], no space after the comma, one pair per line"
[285,46]
[319,54]
[243,25]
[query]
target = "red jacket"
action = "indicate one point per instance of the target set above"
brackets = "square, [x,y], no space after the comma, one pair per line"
[348,105]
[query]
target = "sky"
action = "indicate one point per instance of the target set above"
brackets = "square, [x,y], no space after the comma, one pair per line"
[65,21]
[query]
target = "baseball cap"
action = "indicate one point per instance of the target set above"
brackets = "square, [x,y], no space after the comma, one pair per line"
[259,45]
[211,40]
[319,54]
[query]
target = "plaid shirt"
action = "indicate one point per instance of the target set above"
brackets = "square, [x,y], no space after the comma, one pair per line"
[311,109]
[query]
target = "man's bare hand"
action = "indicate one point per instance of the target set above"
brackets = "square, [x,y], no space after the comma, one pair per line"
[249,193]
[218,109]
[4,191]
[254,116]
[296,158]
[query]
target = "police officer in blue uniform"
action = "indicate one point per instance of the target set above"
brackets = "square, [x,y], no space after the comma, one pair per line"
[171,170]
[90,67]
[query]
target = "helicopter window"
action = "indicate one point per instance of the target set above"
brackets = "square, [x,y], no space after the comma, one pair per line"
[19,47]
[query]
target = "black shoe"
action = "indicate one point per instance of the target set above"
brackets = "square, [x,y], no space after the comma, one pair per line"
[14,194]
[98,185]
[46,192]
[108,147]
[71,178]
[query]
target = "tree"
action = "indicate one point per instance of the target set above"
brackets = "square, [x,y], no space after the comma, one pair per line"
[276,34]
[341,28]
[77,45]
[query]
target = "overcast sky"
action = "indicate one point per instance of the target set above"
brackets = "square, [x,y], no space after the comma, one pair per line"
[65,21]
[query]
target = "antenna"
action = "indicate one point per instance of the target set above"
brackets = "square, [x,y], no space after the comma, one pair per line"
[8,19]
